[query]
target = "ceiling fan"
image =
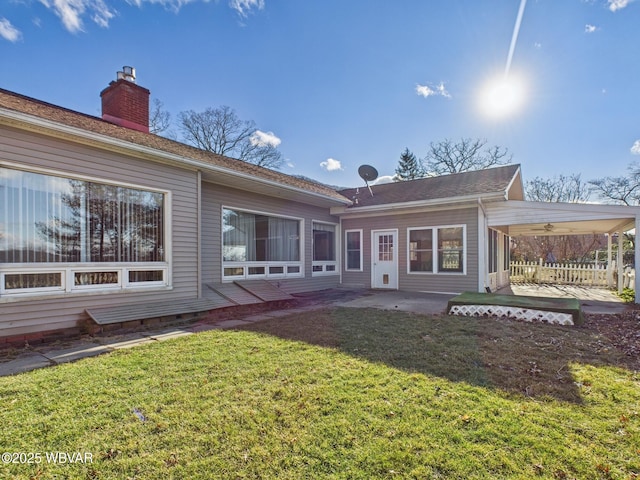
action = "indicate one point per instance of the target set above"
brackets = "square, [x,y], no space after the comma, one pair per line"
[546,228]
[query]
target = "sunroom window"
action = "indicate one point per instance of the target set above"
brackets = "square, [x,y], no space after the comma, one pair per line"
[436,249]
[256,245]
[57,233]
[324,249]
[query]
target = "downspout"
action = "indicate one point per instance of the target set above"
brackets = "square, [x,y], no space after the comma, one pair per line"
[341,252]
[483,266]
[199,232]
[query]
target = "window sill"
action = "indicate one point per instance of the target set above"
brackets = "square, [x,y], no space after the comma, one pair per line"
[33,296]
[457,274]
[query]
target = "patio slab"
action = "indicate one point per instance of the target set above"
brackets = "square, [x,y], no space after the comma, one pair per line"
[24,363]
[593,300]
[417,302]
[593,294]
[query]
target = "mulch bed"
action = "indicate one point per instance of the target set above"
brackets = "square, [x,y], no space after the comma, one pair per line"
[622,330]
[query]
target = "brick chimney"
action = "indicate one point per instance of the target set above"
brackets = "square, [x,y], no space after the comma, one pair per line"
[125,103]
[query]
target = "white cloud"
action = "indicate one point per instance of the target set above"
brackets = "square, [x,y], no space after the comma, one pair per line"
[615,5]
[590,28]
[635,148]
[331,164]
[384,179]
[431,90]
[244,7]
[72,11]
[537,45]
[8,31]
[173,5]
[264,139]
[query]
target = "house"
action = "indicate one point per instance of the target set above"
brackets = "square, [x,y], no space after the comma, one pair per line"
[97,212]
[452,233]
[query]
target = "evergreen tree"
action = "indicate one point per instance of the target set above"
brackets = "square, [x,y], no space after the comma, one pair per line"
[409,167]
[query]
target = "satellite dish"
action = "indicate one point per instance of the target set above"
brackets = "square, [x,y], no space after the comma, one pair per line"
[368,174]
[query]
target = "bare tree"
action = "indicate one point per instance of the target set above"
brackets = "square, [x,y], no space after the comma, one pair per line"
[561,188]
[463,156]
[565,248]
[159,118]
[625,190]
[219,130]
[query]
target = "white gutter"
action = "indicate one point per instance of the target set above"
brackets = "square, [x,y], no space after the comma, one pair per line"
[166,156]
[481,205]
[416,203]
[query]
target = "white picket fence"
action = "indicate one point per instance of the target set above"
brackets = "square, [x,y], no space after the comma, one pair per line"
[587,275]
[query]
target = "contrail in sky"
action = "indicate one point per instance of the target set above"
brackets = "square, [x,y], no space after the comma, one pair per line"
[514,37]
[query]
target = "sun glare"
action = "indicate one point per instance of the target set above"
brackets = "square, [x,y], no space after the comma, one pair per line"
[502,97]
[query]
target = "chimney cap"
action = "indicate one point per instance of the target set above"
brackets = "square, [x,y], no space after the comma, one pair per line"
[128,74]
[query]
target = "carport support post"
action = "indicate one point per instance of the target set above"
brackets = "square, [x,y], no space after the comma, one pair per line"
[620,263]
[609,261]
[636,247]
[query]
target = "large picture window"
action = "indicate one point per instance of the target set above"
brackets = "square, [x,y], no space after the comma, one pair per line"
[436,249]
[60,226]
[324,248]
[259,245]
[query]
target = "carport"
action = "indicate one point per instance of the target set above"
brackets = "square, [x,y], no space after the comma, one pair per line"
[521,218]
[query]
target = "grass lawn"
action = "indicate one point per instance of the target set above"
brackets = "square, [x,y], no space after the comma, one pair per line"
[338,393]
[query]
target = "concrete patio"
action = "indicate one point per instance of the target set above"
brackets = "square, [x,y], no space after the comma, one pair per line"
[592,299]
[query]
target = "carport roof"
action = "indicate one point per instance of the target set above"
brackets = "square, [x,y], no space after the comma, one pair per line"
[522,218]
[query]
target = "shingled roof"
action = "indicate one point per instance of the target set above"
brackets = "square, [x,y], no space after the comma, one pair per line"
[59,115]
[490,181]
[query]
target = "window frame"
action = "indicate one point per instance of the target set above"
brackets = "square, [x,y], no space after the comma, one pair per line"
[268,266]
[325,267]
[68,270]
[435,250]
[360,233]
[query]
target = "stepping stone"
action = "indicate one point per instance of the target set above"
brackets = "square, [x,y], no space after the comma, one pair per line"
[169,334]
[76,353]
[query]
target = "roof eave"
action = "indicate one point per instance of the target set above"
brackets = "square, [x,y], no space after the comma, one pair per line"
[437,202]
[41,125]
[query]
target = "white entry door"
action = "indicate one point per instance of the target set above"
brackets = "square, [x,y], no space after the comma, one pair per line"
[384,259]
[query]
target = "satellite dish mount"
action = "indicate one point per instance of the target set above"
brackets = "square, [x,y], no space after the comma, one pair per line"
[368,174]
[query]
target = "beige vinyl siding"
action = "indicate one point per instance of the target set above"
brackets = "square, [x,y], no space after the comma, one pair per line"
[440,282]
[214,197]
[27,315]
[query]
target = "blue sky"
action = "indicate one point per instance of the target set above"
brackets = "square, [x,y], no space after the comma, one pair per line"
[341,83]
